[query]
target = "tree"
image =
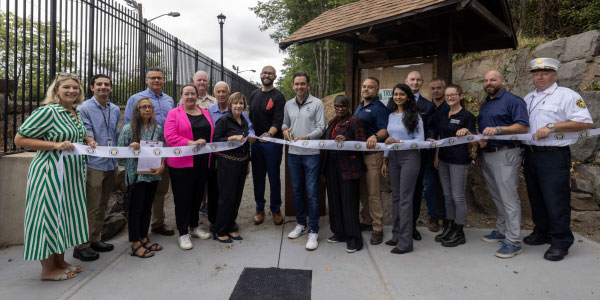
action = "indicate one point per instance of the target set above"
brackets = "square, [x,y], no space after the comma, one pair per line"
[322,60]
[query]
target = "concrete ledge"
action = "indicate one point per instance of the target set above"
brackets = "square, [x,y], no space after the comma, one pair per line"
[13,182]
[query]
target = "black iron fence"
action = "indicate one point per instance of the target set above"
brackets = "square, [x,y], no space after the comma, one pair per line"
[39,38]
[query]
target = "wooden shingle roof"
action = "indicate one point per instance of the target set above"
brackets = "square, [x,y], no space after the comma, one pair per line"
[360,14]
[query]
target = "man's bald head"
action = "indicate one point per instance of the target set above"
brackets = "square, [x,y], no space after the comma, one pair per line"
[493,82]
[414,80]
[221,92]
[267,77]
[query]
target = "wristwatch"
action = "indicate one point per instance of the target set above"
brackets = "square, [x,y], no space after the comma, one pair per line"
[270,134]
[550,126]
[499,129]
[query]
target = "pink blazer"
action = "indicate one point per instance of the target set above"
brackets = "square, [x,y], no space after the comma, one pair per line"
[178,132]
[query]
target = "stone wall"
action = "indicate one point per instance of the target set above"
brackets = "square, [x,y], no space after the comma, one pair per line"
[579,70]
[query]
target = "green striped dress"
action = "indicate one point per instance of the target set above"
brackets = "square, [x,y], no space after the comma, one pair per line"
[51,227]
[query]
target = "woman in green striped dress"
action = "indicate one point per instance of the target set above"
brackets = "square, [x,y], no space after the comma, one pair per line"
[55,212]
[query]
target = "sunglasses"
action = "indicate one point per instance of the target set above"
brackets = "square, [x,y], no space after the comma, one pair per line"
[68,75]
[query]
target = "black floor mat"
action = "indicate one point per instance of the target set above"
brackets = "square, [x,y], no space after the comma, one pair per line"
[273,283]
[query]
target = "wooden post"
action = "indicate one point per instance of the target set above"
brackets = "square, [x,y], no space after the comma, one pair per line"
[349,75]
[444,57]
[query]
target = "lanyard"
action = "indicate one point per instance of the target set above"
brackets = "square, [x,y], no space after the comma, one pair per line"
[107,123]
[540,101]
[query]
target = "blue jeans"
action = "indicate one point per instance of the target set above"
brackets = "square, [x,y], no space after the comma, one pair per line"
[266,159]
[304,171]
[432,187]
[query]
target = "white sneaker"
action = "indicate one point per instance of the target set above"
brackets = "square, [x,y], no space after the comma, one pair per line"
[312,242]
[199,233]
[297,232]
[185,243]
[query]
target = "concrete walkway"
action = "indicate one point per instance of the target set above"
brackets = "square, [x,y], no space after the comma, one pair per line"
[211,270]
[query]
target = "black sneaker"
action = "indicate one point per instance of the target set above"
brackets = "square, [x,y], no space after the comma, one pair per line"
[335,239]
[536,238]
[85,254]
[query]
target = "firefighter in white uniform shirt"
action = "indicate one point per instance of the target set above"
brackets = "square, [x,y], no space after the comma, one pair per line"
[548,160]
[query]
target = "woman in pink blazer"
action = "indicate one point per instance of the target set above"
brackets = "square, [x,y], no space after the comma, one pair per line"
[188,125]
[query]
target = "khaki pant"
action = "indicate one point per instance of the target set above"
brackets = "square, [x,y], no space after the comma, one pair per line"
[370,192]
[158,206]
[99,186]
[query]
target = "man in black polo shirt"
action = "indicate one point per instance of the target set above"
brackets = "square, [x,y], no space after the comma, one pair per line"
[266,113]
[374,116]
[502,113]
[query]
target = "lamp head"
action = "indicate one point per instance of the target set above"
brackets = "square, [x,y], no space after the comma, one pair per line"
[221,18]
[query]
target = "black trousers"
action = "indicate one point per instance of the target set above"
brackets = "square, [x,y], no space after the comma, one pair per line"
[231,177]
[140,210]
[343,200]
[188,189]
[548,179]
[213,192]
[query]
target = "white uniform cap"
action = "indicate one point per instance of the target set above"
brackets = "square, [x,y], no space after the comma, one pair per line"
[543,63]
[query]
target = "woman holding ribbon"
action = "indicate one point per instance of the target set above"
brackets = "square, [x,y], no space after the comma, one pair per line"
[343,170]
[188,125]
[55,208]
[453,163]
[404,124]
[232,168]
[142,127]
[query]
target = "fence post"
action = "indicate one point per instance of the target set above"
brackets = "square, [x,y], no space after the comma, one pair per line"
[52,38]
[142,47]
[210,83]
[90,66]
[196,61]
[175,47]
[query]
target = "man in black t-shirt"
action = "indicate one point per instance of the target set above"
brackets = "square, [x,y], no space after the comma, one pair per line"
[266,113]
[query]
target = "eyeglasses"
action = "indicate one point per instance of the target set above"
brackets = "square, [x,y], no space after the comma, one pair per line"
[452,95]
[146,107]
[68,75]
[340,107]
[267,74]
[155,78]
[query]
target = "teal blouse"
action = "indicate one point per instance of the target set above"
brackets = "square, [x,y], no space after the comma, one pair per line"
[126,138]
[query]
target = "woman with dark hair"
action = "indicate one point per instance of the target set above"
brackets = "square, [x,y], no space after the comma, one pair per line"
[55,221]
[453,163]
[232,168]
[188,125]
[404,123]
[343,170]
[142,127]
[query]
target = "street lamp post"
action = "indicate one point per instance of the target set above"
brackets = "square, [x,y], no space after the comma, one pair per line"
[221,17]
[173,14]
[237,70]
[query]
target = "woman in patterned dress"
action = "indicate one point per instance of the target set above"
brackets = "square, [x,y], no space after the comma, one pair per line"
[55,209]
[142,127]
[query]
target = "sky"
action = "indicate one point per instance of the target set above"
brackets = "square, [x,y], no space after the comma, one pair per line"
[244,45]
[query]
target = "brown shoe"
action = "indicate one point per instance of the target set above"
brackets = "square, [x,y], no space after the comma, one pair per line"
[433,224]
[277,218]
[259,217]
[376,237]
[164,230]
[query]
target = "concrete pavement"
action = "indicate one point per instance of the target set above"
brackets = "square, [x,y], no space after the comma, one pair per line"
[211,269]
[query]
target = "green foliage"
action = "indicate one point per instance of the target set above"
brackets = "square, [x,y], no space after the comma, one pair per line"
[595,86]
[284,17]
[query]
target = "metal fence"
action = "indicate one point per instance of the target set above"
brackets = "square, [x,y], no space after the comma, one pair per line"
[39,38]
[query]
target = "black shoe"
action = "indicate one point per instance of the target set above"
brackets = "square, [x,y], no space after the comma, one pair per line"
[555,254]
[163,230]
[416,235]
[455,237]
[366,227]
[85,254]
[536,238]
[336,239]
[391,243]
[101,246]
[398,251]
[447,228]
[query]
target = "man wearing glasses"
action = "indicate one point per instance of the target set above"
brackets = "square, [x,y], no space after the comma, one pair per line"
[502,113]
[266,113]
[162,103]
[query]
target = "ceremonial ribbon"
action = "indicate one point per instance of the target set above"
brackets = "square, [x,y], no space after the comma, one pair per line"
[127,152]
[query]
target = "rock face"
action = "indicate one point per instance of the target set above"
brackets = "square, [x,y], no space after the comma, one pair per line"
[115,219]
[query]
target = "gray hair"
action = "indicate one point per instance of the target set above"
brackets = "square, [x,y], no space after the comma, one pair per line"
[136,120]
[154,69]
[200,73]
[220,83]
[440,79]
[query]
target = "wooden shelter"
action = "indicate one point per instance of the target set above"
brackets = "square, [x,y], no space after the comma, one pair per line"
[388,38]
[382,33]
